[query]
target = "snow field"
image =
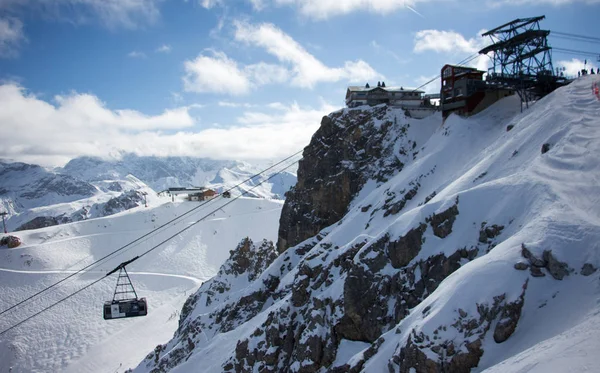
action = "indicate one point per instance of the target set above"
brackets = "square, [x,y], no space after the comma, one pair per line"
[73,336]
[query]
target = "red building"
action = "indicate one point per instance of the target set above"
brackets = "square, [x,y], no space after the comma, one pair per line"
[465,93]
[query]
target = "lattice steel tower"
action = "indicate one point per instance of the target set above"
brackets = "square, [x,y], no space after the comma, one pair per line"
[522,58]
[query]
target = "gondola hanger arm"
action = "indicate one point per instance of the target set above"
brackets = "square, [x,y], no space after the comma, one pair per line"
[122,265]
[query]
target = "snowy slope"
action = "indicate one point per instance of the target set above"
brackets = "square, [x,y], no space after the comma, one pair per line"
[479,255]
[73,337]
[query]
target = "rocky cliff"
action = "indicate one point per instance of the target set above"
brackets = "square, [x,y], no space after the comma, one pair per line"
[407,246]
[349,148]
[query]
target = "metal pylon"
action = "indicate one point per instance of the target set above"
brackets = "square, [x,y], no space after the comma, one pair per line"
[124,287]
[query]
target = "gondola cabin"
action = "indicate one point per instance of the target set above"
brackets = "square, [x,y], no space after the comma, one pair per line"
[118,309]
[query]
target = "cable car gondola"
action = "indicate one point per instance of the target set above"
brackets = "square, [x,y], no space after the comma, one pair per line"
[122,304]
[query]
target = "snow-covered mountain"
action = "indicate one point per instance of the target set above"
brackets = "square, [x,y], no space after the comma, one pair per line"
[24,186]
[73,337]
[411,246]
[34,197]
[89,187]
[160,173]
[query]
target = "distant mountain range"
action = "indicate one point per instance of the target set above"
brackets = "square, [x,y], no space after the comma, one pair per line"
[161,173]
[89,187]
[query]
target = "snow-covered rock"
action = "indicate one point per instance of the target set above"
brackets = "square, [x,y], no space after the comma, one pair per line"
[402,249]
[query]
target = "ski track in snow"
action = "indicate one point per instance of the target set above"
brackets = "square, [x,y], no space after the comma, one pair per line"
[73,337]
[198,281]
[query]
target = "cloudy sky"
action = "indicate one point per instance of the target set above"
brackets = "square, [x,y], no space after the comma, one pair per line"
[228,79]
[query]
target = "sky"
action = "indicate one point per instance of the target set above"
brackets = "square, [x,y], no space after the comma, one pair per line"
[230,79]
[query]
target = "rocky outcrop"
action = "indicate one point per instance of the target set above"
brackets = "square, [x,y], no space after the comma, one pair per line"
[557,269]
[454,354]
[588,269]
[346,151]
[442,223]
[62,185]
[115,186]
[40,222]
[509,318]
[211,310]
[125,201]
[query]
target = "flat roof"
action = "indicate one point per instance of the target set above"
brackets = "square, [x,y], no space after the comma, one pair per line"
[355,88]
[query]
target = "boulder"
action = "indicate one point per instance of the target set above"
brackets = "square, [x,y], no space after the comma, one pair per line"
[588,269]
[521,266]
[10,241]
[536,272]
[557,269]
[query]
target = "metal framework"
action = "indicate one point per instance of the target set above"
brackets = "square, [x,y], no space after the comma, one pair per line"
[124,287]
[522,58]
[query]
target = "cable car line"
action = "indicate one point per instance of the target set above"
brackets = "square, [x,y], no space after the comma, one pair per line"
[89,266]
[574,51]
[566,34]
[122,265]
[463,62]
[575,39]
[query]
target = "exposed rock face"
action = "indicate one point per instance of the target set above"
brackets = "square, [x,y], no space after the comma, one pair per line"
[115,187]
[218,313]
[442,222]
[459,356]
[40,222]
[343,154]
[125,201]
[63,185]
[27,186]
[401,252]
[556,268]
[509,318]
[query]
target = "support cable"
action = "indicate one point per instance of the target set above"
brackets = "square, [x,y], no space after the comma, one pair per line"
[89,266]
[122,265]
[93,264]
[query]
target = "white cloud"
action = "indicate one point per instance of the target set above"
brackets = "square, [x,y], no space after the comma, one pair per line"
[217,73]
[264,73]
[258,4]
[136,54]
[11,36]
[324,9]
[575,65]
[447,42]
[80,124]
[210,3]
[111,13]
[234,104]
[165,48]
[305,70]
[496,3]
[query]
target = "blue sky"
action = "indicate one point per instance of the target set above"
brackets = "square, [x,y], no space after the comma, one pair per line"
[228,79]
